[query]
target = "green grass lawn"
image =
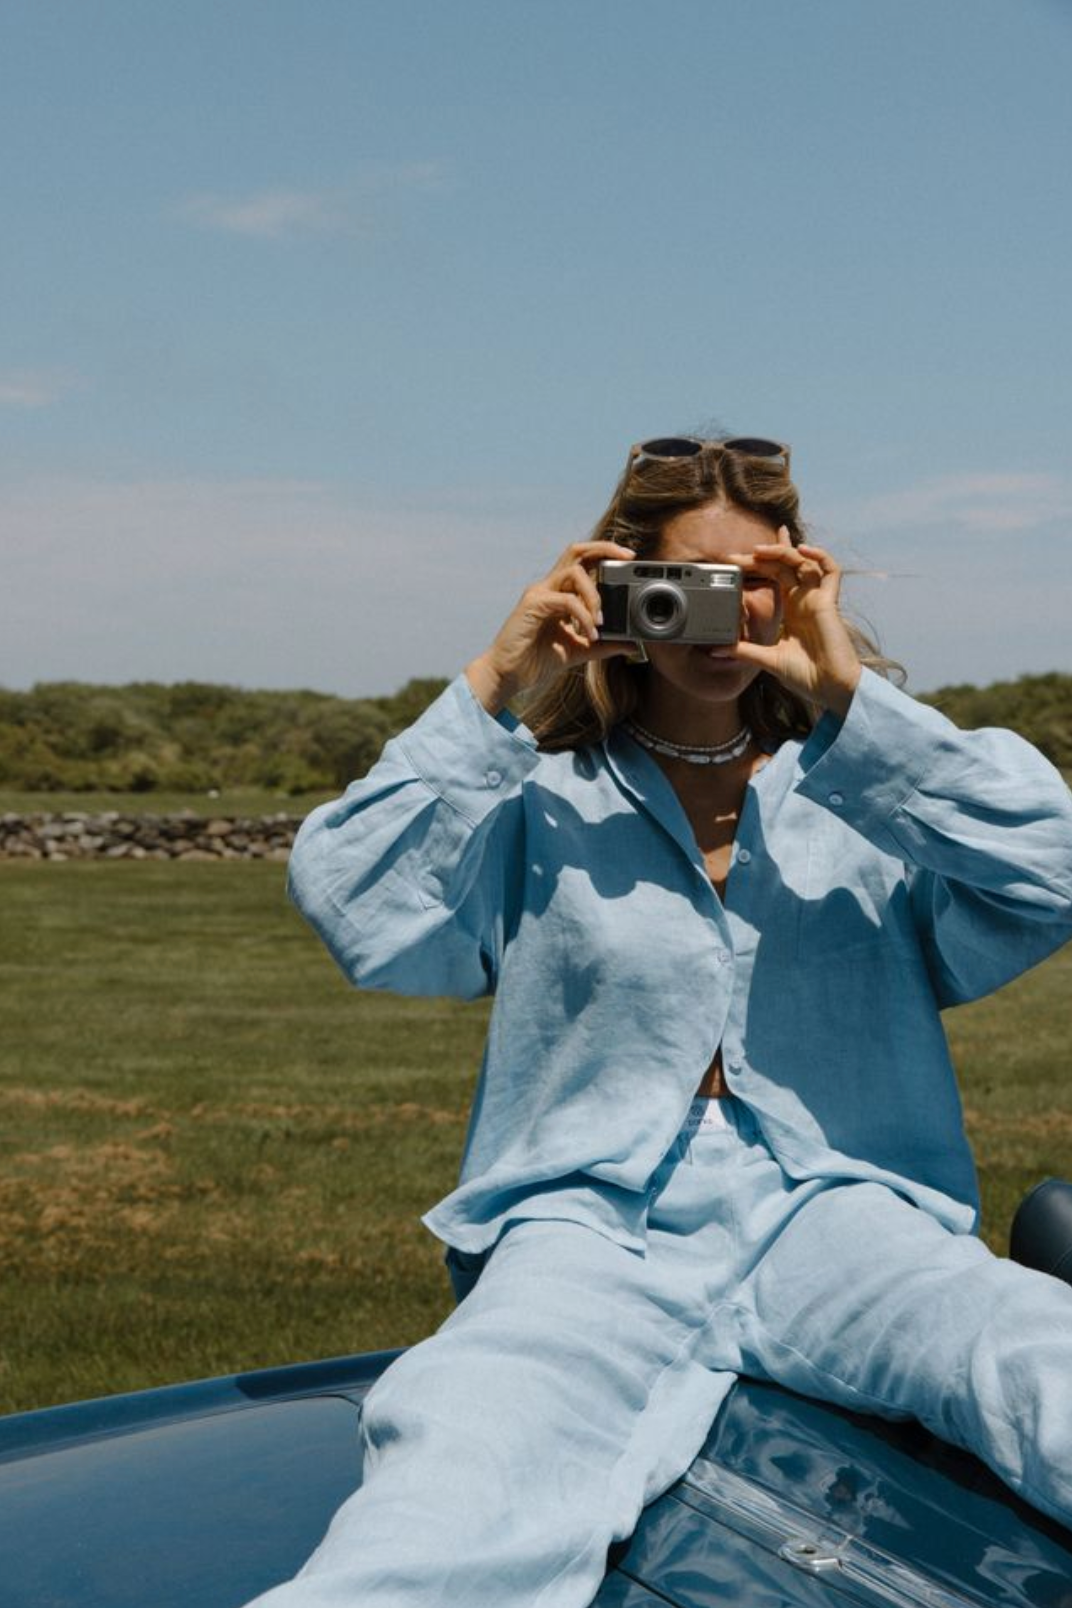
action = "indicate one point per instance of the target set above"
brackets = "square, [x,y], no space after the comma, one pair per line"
[214,1153]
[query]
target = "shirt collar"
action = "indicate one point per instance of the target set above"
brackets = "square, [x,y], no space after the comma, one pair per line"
[639,775]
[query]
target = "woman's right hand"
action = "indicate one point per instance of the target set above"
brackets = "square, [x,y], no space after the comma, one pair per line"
[554,627]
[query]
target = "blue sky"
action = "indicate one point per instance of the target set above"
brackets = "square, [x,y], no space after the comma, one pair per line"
[325,324]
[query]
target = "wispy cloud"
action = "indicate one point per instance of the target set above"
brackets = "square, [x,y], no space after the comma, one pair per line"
[267,582]
[971,503]
[266,215]
[30,389]
[305,583]
[278,213]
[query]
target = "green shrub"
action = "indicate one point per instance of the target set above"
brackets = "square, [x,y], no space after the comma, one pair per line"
[69,736]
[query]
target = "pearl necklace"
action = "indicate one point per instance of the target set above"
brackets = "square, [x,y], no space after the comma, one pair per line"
[718,754]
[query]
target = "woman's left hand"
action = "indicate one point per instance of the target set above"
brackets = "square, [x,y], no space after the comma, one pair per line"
[814,655]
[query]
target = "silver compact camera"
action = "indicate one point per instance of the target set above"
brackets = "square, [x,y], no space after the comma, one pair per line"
[650,602]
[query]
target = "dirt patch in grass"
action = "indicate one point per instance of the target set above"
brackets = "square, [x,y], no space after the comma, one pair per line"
[1047,1125]
[78,1100]
[215,1155]
[67,1203]
[347,1119]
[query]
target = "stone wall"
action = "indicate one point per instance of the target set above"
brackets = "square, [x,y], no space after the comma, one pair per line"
[108,835]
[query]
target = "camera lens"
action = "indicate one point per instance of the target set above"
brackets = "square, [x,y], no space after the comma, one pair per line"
[659,611]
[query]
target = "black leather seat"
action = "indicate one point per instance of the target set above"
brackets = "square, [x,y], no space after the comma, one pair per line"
[1041,1234]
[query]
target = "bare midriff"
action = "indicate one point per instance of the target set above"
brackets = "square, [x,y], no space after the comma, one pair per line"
[713,1084]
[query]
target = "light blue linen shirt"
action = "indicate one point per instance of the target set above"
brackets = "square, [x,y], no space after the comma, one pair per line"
[888,866]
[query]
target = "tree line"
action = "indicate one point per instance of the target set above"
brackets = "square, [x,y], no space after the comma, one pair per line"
[1038,707]
[193,736]
[71,736]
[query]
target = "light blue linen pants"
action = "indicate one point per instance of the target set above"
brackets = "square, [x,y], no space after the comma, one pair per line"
[578,1379]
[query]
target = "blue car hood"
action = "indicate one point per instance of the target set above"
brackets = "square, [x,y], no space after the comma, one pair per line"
[204,1495]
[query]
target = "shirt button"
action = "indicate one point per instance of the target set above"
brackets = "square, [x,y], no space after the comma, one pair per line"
[837,798]
[722,956]
[493,778]
[743,856]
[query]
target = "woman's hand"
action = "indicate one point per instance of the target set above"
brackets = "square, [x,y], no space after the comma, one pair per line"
[814,655]
[554,627]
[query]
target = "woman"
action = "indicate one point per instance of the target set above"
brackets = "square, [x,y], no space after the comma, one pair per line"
[721,896]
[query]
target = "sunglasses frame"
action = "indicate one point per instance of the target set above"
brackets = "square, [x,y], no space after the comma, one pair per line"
[659,447]
[671,447]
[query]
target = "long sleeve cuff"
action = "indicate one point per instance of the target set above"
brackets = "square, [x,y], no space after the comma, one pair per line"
[887,748]
[871,762]
[981,806]
[470,759]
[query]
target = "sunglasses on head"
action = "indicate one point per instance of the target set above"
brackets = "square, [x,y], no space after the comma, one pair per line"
[667,448]
[691,447]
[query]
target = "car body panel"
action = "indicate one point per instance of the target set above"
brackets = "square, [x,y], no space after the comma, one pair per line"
[881,1512]
[206,1494]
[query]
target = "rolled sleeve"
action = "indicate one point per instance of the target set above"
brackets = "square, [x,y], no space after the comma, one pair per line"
[981,821]
[468,758]
[872,762]
[405,876]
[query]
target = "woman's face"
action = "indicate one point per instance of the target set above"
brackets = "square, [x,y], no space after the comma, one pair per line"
[717,533]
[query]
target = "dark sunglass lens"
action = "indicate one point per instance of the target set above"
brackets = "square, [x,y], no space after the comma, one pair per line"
[755,447]
[671,447]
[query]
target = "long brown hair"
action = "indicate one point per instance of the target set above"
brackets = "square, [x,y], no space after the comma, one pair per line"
[583,705]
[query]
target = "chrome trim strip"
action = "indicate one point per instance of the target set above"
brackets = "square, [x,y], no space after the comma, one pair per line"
[796,1536]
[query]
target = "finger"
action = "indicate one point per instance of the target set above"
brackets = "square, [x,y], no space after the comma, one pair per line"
[576,610]
[781,543]
[572,649]
[553,596]
[588,553]
[808,561]
[829,571]
[787,565]
[829,565]
[763,655]
[780,552]
[805,550]
[585,586]
[541,612]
